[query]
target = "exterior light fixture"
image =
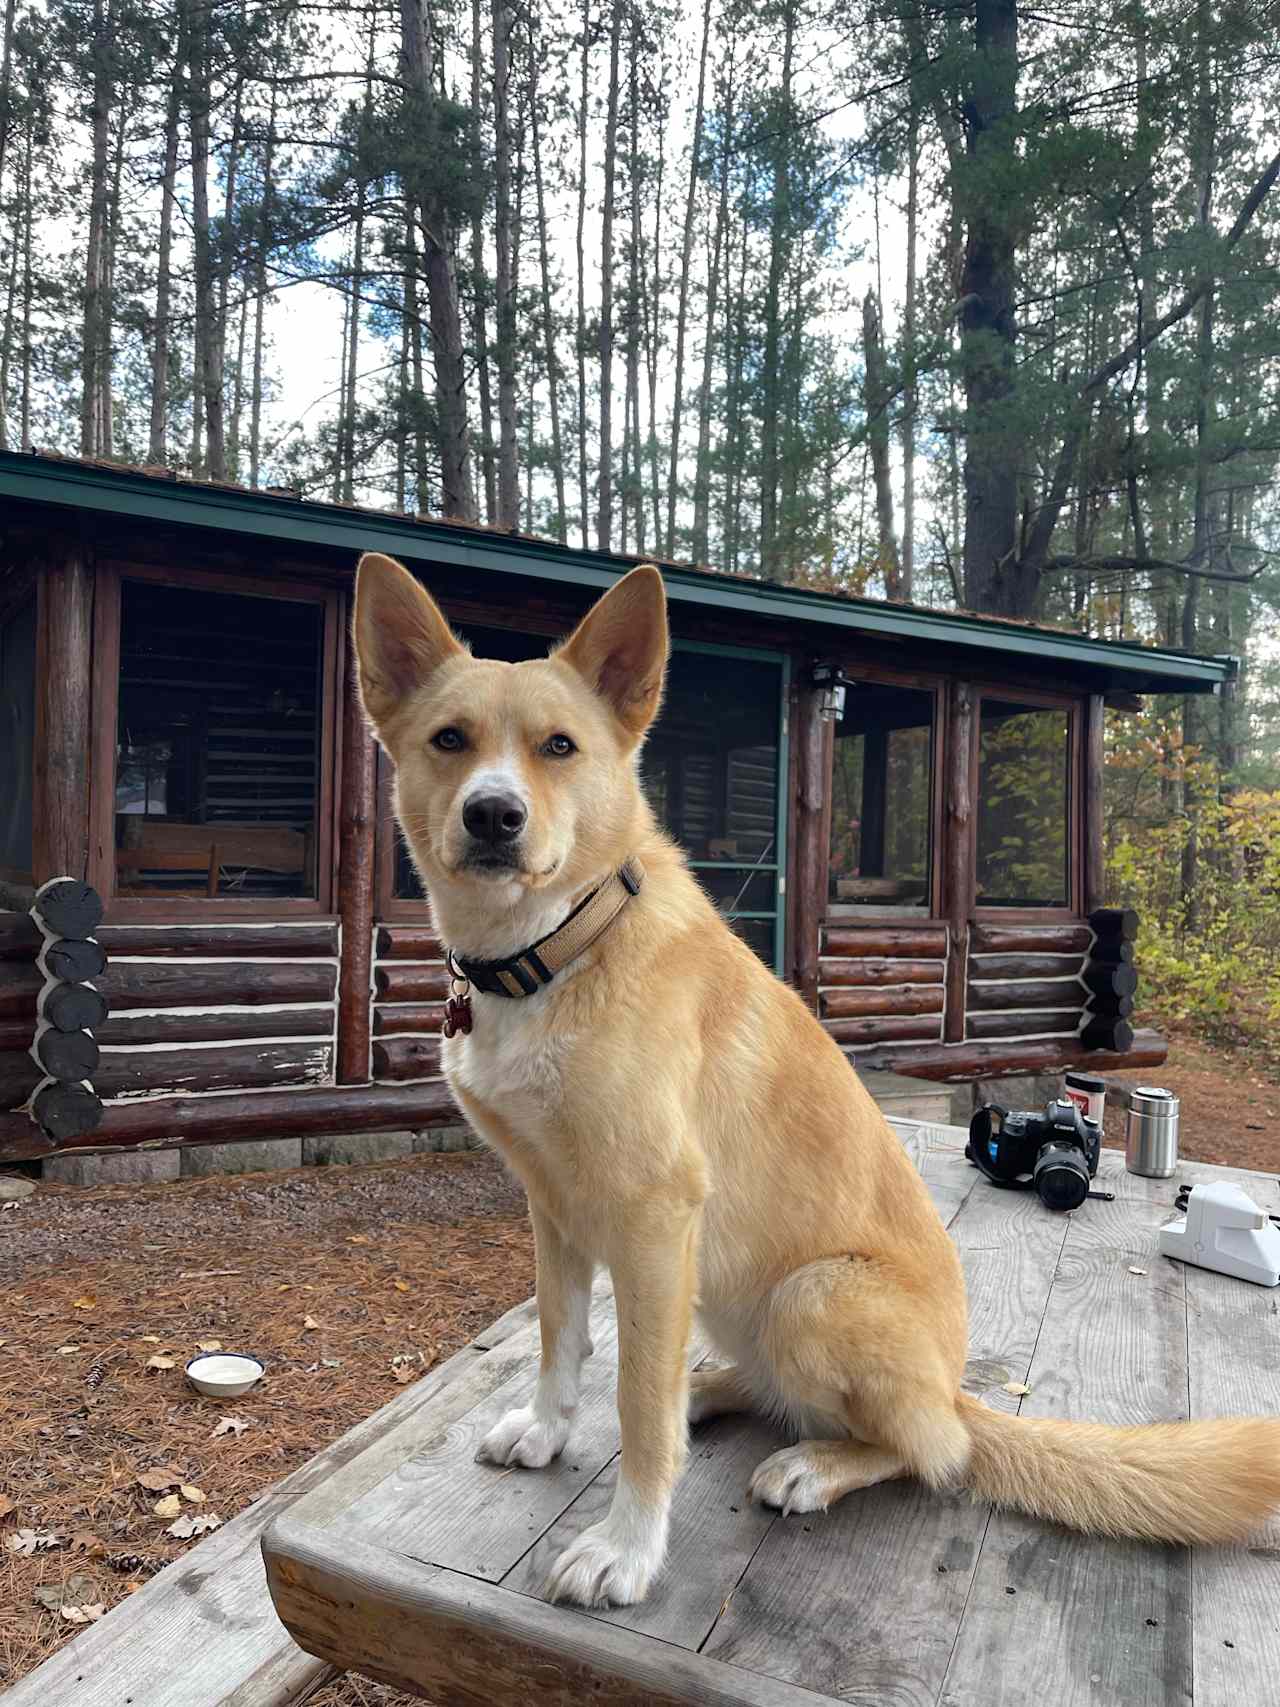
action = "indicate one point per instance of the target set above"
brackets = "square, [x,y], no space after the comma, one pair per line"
[831,684]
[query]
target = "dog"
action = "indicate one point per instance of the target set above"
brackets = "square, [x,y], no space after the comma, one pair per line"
[677,1115]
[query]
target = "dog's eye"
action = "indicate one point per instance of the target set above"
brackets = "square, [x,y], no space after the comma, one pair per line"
[558,747]
[449,740]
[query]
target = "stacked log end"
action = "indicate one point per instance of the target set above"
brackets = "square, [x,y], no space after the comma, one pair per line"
[1111,980]
[69,1009]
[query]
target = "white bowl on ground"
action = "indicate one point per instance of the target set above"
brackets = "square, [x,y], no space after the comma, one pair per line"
[224,1374]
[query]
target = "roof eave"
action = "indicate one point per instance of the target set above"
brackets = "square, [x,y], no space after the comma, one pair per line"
[1110,665]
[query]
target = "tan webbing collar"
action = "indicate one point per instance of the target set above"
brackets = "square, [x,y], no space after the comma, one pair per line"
[524,974]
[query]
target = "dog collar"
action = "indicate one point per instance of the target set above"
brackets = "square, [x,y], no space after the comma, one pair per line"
[525,973]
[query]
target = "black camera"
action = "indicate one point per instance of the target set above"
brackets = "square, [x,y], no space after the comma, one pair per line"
[1054,1153]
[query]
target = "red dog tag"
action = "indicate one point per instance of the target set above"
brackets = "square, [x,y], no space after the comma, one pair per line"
[457,1016]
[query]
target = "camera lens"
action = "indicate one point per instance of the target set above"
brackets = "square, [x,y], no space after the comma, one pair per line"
[1061,1176]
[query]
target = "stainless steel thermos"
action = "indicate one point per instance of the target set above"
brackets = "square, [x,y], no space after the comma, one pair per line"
[1151,1132]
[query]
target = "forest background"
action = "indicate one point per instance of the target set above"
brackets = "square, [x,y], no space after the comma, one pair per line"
[973,304]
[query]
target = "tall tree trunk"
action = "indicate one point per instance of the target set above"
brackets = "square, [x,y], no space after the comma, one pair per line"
[227,256]
[548,318]
[632,453]
[770,378]
[682,305]
[719,250]
[479,296]
[418,73]
[260,294]
[413,311]
[580,337]
[652,327]
[604,485]
[95,388]
[508,476]
[1202,551]
[158,439]
[27,291]
[6,333]
[208,345]
[911,390]
[993,580]
[770,391]
[876,403]
[6,83]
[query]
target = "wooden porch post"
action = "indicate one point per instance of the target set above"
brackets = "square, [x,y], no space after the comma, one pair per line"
[357,818]
[64,684]
[814,742]
[957,856]
[1095,881]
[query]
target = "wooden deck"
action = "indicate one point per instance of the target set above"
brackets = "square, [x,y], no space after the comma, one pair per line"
[896,1597]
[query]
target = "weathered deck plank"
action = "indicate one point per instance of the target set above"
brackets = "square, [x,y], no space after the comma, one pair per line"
[1107,1621]
[864,1602]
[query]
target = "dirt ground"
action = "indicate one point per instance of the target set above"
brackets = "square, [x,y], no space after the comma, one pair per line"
[346,1281]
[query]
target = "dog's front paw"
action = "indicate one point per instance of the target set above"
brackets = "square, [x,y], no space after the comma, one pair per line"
[790,1481]
[595,1570]
[525,1439]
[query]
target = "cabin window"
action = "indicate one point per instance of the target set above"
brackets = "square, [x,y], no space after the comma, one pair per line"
[711,769]
[882,801]
[1024,777]
[17,727]
[219,744]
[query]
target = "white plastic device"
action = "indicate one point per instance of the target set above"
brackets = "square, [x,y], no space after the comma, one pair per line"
[1224,1229]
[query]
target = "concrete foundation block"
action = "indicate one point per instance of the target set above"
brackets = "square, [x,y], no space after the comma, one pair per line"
[445,1140]
[123,1167]
[345,1148]
[1023,1091]
[253,1157]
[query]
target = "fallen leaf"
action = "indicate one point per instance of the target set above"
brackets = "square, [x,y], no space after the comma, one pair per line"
[404,1373]
[66,1350]
[208,1345]
[358,1239]
[189,1525]
[89,1545]
[83,1614]
[88,1302]
[169,1506]
[150,1339]
[160,1363]
[309,1324]
[1018,1388]
[1137,1270]
[6,1505]
[231,1425]
[193,1496]
[402,1286]
[55,1596]
[29,1541]
[284,1288]
[161,1480]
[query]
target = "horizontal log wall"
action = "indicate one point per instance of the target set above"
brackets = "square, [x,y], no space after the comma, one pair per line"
[410,983]
[882,984]
[192,1009]
[1024,981]
[170,1122]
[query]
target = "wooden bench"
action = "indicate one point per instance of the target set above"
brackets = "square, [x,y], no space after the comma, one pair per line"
[395,1555]
[167,845]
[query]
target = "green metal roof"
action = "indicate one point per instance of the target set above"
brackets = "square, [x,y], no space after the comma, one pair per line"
[144,496]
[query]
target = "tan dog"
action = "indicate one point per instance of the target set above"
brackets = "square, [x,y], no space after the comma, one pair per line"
[678,1115]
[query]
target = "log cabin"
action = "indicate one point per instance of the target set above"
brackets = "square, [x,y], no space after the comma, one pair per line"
[899,808]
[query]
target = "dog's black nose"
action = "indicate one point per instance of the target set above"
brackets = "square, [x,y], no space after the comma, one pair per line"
[494,817]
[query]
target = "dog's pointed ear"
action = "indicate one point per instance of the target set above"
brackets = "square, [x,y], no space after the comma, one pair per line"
[620,648]
[400,635]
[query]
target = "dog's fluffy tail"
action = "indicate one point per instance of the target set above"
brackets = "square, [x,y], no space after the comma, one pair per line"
[1189,1481]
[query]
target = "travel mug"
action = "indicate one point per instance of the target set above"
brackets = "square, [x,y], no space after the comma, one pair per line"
[1151,1132]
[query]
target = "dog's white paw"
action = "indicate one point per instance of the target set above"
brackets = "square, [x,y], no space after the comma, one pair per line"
[523,1438]
[595,1570]
[790,1482]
